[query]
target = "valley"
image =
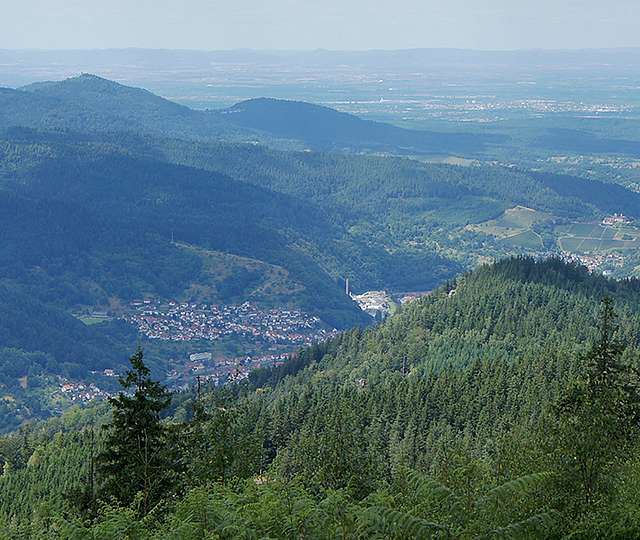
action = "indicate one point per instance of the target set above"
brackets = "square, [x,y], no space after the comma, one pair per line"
[417,380]
[257,215]
[336,270]
[374,294]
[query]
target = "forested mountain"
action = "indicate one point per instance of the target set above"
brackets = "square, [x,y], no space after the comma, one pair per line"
[72,201]
[463,416]
[110,193]
[103,200]
[325,128]
[377,186]
[91,103]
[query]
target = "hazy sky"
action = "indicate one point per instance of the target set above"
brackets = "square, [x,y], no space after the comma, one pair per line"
[331,24]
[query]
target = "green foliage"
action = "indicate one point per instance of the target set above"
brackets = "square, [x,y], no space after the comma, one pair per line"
[438,423]
[597,419]
[219,443]
[137,456]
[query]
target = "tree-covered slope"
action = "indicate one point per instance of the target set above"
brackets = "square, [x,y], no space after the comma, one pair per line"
[460,366]
[325,128]
[466,387]
[99,219]
[91,103]
[88,103]
[401,187]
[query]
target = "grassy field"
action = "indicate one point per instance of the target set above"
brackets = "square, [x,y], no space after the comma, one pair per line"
[262,282]
[514,227]
[90,320]
[594,237]
[526,239]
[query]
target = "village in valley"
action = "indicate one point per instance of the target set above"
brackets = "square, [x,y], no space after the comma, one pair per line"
[601,247]
[203,367]
[194,329]
[175,321]
[195,368]
[191,331]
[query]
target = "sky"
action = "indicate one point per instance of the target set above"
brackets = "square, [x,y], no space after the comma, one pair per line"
[312,24]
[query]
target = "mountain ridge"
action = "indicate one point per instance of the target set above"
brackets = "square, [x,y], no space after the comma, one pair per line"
[456,393]
[74,98]
[91,202]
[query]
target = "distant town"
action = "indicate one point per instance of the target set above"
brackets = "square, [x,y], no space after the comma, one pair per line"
[196,368]
[276,334]
[599,262]
[204,368]
[181,321]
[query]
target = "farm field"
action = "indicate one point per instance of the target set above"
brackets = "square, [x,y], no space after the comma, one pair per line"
[515,227]
[512,222]
[525,239]
[595,237]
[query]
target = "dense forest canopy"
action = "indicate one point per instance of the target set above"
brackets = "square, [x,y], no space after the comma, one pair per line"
[461,416]
[99,183]
[503,403]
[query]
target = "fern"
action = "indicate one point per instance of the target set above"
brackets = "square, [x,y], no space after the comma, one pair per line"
[425,486]
[404,525]
[514,488]
[536,525]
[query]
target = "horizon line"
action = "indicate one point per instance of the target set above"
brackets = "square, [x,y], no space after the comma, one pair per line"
[320,49]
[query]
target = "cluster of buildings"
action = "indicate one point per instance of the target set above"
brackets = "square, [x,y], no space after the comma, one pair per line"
[377,304]
[81,392]
[487,109]
[277,332]
[381,304]
[616,219]
[176,321]
[597,261]
[199,368]
[539,106]
[204,368]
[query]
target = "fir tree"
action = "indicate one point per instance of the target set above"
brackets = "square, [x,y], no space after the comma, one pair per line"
[597,417]
[138,458]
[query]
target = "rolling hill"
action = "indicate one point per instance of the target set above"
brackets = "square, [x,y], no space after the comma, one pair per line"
[88,104]
[91,103]
[109,194]
[325,128]
[452,397]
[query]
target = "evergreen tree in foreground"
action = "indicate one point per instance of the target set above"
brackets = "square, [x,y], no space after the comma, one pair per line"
[137,460]
[597,419]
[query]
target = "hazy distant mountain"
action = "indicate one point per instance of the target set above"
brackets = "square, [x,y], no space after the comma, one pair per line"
[130,60]
[91,103]
[327,128]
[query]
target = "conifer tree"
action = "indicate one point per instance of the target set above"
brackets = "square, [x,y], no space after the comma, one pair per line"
[137,458]
[598,416]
